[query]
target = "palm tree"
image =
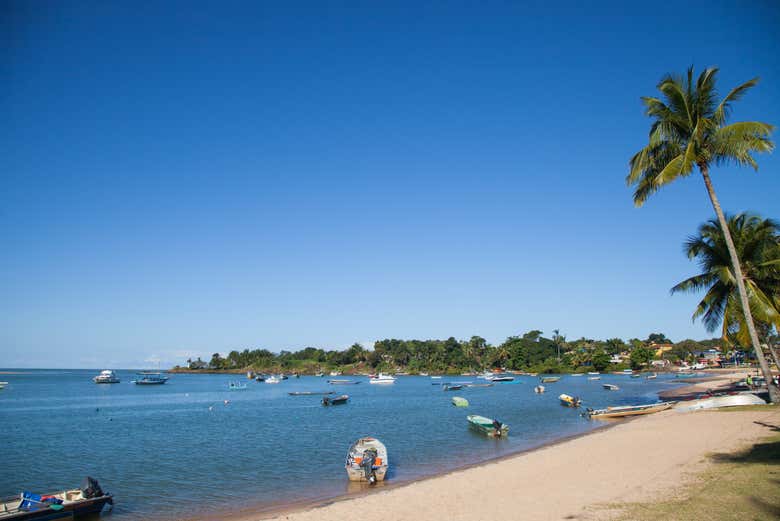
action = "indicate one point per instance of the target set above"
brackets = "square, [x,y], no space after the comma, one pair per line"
[689,130]
[757,242]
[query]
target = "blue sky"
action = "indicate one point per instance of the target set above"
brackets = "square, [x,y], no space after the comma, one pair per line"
[181,178]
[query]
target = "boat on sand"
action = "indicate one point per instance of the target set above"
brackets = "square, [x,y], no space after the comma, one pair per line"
[366,460]
[492,428]
[67,504]
[717,402]
[627,410]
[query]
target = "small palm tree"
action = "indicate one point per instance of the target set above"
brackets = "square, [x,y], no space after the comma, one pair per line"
[757,242]
[690,130]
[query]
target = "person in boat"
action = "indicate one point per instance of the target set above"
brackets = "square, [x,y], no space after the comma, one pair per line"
[497,426]
[749,381]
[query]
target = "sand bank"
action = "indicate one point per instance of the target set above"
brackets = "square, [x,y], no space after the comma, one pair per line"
[634,461]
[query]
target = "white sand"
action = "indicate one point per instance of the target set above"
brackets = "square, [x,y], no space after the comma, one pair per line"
[635,460]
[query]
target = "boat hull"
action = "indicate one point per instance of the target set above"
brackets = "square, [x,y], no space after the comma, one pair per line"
[485,426]
[623,412]
[74,510]
[354,456]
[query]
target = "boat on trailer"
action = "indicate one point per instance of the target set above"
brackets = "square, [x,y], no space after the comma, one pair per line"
[366,461]
[628,410]
[65,504]
[492,428]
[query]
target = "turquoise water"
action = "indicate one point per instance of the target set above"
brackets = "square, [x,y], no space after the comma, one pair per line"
[177,451]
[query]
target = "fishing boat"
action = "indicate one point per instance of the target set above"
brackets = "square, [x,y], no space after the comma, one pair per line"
[492,428]
[594,378]
[382,379]
[569,401]
[651,376]
[149,378]
[717,402]
[549,379]
[367,460]
[65,504]
[539,389]
[272,380]
[236,386]
[611,387]
[343,382]
[310,393]
[106,376]
[451,387]
[336,400]
[628,410]
[457,401]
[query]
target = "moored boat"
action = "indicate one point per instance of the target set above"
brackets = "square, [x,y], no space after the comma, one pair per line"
[549,379]
[343,382]
[651,376]
[594,378]
[501,378]
[106,376]
[65,504]
[451,387]
[457,401]
[593,372]
[367,460]
[336,400]
[636,375]
[611,387]
[273,380]
[310,393]
[480,385]
[539,389]
[2,385]
[569,401]
[628,410]
[435,377]
[382,379]
[150,378]
[492,428]
[237,386]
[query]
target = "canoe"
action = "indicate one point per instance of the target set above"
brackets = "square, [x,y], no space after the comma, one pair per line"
[457,401]
[717,402]
[366,461]
[611,387]
[66,504]
[569,401]
[336,400]
[628,410]
[492,428]
[549,379]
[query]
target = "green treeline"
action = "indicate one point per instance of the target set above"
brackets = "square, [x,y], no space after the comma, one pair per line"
[531,352]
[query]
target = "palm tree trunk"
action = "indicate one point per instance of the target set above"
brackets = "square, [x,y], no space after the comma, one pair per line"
[774,394]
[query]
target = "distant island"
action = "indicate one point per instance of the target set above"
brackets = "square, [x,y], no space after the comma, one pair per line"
[530,352]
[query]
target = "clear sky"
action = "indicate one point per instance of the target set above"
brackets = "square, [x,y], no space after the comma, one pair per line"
[180,178]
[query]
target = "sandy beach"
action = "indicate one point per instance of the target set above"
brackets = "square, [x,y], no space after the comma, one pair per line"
[636,460]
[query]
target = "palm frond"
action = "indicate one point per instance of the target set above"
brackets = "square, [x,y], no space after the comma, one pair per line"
[723,110]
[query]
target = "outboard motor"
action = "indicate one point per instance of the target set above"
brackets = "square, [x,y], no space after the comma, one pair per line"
[367,464]
[90,488]
[497,426]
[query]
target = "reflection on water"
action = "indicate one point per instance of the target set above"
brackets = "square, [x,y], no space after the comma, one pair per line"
[178,450]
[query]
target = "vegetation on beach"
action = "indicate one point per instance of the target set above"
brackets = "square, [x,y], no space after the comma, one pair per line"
[532,352]
[690,130]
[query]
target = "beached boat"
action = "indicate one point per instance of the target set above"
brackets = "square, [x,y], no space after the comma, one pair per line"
[717,402]
[382,379]
[336,400]
[493,428]
[367,460]
[539,389]
[273,380]
[457,401]
[106,376]
[149,378]
[236,386]
[319,375]
[569,401]
[65,504]
[628,410]
[549,379]
[611,387]
[310,393]
[451,387]
[343,382]
[594,378]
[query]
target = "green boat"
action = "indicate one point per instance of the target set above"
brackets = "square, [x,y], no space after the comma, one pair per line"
[493,428]
[457,401]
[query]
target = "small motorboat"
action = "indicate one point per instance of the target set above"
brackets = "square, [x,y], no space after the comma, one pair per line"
[569,401]
[237,386]
[627,371]
[539,389]
[611,387]
[2,385]
[594,378]
[500,378]
[685,374]
[549,379]
[480,385]
[651,376]
[451,387]
[336,400]
[457,401]
[343,382]
[106,376]
[382,379]
[593,372]
[423,374]
[319,375]
[273,380]
[636,375]
[435,377]
[627,410]
[149,378]
[492,428]
[66,504]
[335,373]
[260,378]
[366,460]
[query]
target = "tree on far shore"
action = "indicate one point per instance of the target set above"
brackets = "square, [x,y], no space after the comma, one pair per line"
[690,130]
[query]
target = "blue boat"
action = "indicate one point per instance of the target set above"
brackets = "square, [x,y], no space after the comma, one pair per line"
[66,504]
[147,378]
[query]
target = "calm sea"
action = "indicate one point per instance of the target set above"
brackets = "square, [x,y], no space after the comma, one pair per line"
[178,451]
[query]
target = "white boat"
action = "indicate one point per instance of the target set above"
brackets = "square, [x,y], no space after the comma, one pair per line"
[366,460]
[273,380]
[382,379]
[237,386]
[594,378]
[335,373]
[594,372]
[435,377]
[423,374]
[611,387]
[107,376]
[500,378]
[539,389]
[651,376]
[716,402]
[3,384]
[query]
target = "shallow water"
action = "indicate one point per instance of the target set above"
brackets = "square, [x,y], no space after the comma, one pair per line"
[176,450]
